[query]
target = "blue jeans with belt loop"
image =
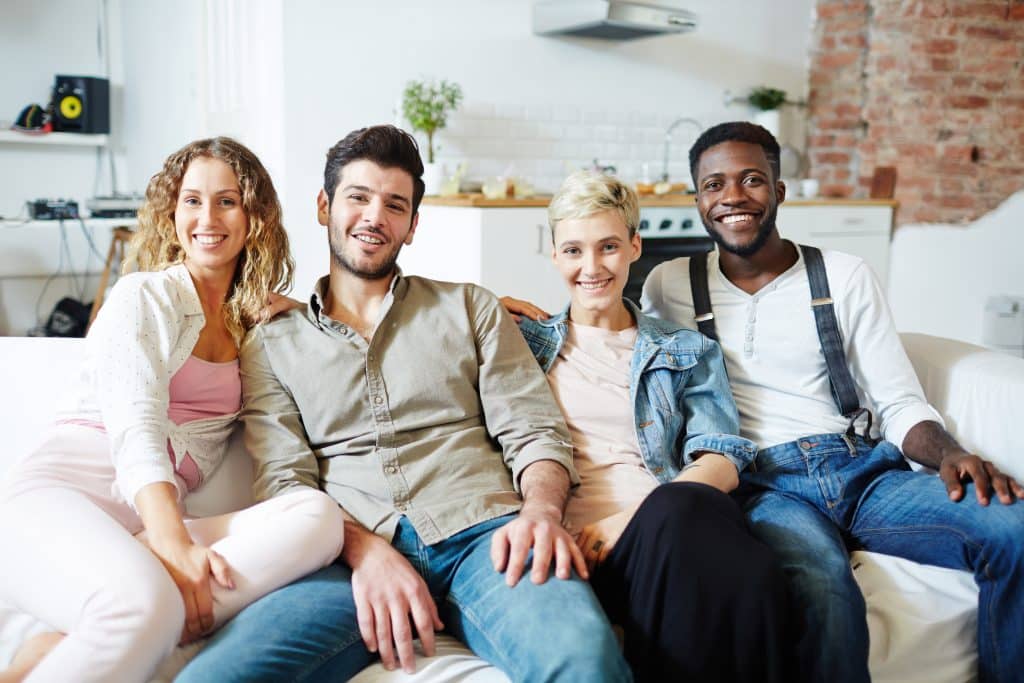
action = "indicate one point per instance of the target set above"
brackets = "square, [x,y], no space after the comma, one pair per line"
[813,498]
[307,631]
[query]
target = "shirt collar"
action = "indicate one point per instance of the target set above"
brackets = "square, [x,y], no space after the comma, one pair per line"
[190,303]
[315,311]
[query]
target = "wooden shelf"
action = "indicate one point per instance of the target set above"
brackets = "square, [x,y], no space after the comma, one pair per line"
[67,139]
[90,222]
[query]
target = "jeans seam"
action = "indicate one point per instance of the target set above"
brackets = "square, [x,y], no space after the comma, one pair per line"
[471,616]
[327,656]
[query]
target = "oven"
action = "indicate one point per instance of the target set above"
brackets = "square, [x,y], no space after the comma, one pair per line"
[667,232]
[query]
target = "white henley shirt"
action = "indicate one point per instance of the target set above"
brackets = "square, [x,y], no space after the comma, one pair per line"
[776,368]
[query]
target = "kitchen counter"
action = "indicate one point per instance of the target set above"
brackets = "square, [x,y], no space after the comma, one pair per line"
[479,201]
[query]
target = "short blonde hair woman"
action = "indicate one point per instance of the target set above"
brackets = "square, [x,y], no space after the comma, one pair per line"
[654,431]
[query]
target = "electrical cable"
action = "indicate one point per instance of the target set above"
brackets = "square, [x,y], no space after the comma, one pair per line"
[92,244]
[46,286]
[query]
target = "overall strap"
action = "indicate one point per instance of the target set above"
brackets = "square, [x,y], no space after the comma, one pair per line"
[701,297]
[844,391]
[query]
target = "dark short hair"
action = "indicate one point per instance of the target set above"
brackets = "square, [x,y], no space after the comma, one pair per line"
[736,131]
[387,146]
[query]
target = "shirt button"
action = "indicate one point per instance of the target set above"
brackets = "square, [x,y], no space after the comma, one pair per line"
[401,507]
[343,329]
[378,399]
[390,469]
[370,358]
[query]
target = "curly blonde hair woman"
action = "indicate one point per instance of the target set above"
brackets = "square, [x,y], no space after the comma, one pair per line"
[158,399]
[265,265]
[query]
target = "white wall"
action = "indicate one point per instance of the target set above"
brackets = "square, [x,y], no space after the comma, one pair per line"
[150,51]
[347,62]
[313,71]
[940,276]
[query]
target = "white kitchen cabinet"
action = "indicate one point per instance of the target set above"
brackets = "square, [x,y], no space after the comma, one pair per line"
[506,250]
[863,230]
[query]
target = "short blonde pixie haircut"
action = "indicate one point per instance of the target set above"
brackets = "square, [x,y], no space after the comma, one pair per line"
[585,193]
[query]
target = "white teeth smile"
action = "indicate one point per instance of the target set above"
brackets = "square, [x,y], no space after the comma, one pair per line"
[209,240]
[737,218]
[593,285]
[369,239]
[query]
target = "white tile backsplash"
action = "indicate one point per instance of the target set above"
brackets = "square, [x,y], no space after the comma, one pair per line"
[542,143]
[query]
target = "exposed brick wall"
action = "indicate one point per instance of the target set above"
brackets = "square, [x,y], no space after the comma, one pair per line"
[932,87]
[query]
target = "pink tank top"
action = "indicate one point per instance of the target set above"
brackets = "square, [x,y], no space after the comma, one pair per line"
[201,389]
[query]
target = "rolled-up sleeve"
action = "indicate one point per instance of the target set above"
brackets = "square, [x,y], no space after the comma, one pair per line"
[273,431]
[519,409]
[878,362]
[712,421]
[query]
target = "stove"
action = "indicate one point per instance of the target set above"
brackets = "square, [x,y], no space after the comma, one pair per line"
[667,233]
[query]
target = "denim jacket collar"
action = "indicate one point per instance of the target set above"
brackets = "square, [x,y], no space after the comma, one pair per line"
[652,333]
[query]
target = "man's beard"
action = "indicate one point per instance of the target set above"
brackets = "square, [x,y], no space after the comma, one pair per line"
[379,272]
[764,231]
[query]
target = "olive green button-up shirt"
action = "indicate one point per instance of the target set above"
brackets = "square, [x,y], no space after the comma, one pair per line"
[435,418]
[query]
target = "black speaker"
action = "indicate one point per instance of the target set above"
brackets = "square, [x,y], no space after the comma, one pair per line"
[81,104]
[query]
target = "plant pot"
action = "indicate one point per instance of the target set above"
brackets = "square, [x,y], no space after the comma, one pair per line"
[433,177]
[769,119]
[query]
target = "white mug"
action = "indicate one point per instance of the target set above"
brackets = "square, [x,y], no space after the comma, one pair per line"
[809,188]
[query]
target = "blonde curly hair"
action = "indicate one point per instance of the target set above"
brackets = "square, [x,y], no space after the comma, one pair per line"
[265,264]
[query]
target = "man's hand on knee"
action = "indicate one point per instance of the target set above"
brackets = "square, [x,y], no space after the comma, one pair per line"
[391,600]
[960,465]
[539,528]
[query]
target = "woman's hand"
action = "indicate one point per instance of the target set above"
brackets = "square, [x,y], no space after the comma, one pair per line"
[519,308]
[191,567]
[277,304]
[597,539]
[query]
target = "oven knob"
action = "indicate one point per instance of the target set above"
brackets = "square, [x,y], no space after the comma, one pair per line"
[687,223]
[665,224]
[644,224]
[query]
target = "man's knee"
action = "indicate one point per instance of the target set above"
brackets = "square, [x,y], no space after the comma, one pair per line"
[584,649]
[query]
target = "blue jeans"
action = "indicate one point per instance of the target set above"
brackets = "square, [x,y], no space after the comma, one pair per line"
[307,631]
[812,498]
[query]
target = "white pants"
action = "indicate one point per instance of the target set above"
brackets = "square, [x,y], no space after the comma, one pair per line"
[70,560]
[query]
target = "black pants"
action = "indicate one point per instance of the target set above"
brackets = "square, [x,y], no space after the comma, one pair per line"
[697,596]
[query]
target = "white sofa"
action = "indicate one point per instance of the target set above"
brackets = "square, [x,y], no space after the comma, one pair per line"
[922,619]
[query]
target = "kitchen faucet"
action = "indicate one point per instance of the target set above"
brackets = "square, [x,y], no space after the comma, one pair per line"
[668,141]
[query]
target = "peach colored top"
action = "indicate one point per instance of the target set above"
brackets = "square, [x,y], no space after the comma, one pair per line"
[590,381]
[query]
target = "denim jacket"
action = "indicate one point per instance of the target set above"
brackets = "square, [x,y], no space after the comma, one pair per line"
[678,386]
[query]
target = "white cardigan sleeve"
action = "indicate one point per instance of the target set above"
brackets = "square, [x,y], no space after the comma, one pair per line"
[136,343]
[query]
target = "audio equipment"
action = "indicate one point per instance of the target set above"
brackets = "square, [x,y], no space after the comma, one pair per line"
[52,209]
[81,104]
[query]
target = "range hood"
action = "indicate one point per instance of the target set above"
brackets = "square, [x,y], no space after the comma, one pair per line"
[611,19]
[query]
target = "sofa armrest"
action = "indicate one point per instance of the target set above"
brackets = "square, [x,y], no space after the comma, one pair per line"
[978,392]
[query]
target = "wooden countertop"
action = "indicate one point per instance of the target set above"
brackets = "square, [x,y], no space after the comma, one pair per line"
[667,200]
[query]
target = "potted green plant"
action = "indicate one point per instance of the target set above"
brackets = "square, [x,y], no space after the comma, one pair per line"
[426,105]
[767,101]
